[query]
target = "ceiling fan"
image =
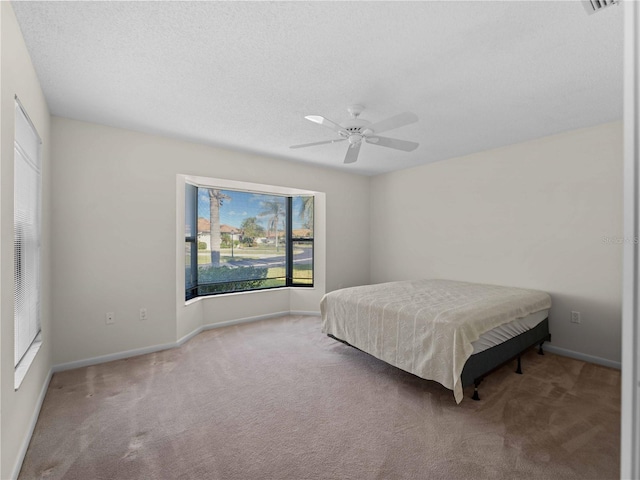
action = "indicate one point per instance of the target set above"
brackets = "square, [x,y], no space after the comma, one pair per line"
[355,130]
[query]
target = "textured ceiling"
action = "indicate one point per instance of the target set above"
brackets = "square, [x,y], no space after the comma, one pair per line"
[479,75]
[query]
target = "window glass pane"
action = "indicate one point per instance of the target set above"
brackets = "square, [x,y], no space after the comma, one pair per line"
[241,240]
[303,262]
[302,217]
[189,273]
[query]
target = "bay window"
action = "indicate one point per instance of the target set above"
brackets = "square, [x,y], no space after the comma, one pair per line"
[238,240]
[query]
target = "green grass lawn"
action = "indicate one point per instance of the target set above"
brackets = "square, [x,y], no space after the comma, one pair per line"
[301,274]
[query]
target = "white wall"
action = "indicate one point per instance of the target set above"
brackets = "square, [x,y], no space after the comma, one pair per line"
[114,228]
[531,215]
[19,408]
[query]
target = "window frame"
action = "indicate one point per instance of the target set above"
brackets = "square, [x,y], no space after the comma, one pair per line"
[34,300]
[291,240]
[193,291]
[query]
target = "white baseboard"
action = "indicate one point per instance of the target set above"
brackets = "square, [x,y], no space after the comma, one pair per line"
[238,321]
[87,362]
[581,356]
[32,425]
[228,323]
[189,336]
[308,314]
[157,348]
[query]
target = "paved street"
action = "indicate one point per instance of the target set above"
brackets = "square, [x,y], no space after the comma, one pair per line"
[304,257]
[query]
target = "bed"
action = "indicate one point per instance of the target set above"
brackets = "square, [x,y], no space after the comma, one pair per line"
[452,332]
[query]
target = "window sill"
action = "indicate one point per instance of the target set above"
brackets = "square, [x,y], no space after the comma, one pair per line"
[191,301]
[23,367]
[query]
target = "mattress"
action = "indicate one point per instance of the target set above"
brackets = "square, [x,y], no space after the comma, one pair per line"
[507,331]
[425,327]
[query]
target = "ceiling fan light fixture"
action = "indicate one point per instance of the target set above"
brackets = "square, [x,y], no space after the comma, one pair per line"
[355,139]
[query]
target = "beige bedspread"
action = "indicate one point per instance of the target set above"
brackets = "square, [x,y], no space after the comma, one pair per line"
[425,327]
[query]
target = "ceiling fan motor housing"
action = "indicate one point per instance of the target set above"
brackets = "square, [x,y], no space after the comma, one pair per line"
[359,128]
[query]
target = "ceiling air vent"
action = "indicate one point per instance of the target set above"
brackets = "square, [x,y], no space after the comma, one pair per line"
[593,6]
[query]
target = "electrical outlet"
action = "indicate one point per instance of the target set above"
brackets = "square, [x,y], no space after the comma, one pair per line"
[109,318]
[143,314]
[575,317]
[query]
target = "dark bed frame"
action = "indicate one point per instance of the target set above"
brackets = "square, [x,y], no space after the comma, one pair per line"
[482,364]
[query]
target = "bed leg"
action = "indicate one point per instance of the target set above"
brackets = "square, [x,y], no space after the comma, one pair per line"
[475,397]
[540,351]
[476,383]
[519,369]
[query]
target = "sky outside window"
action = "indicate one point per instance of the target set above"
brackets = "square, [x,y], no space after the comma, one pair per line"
[242,205]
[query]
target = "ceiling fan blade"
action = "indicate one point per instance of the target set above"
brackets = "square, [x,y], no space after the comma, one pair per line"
[393,143]
[325,122]
[352,153]
[396,121]
[318,143]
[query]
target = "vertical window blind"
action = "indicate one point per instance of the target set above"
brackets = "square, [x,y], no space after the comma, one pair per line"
[26,222]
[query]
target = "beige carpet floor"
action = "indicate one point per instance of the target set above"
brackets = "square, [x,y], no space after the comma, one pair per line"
[277,399]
